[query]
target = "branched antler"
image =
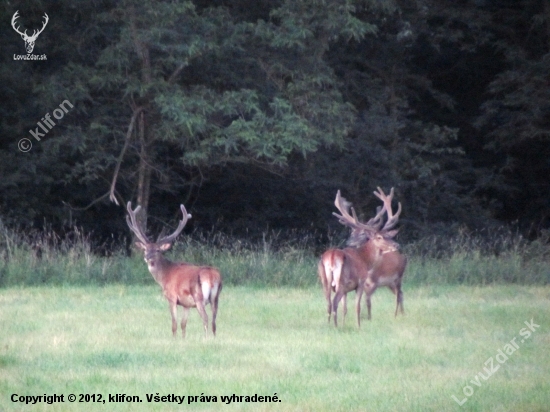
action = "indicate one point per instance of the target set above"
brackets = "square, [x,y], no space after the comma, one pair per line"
[374,225]
[392,219]
[133,224]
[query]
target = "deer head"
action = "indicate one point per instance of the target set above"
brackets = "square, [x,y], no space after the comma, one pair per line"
[153,250]
[372,230]
[29,40]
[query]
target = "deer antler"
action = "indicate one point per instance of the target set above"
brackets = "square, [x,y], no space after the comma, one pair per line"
[374,225]
[134,225]
[352,221]
[343,206]
[139,232]
[392,219]
[183,222]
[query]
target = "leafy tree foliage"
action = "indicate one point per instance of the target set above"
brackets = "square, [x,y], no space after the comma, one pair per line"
[172,71]
[258,112]
[516,119]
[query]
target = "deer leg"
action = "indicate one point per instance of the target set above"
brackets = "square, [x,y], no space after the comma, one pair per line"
[214,304]
[203,315]
[184,321]
[335,302]
[200,300]
[396,289]
[325,274]
[328,293]
[328,296]
[174,313]
[358,297]
[345,304]
[399,296]
[369,290]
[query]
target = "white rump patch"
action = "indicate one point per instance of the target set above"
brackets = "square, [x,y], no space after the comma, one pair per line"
[206,291]
[333,272]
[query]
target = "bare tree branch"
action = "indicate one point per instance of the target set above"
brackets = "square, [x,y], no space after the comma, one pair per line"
[112,196]
[174,75]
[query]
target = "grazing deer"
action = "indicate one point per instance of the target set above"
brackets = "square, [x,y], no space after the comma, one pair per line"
[182,283]
[360,266]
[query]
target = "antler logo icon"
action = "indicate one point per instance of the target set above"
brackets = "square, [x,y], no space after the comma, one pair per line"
[29,40]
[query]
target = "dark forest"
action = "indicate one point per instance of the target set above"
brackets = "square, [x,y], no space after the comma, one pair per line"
[253,114]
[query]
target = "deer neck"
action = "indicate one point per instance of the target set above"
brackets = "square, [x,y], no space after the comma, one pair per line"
[370,252]
[158,267]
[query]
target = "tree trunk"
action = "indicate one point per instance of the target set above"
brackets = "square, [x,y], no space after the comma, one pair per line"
[144,172]
[547,22]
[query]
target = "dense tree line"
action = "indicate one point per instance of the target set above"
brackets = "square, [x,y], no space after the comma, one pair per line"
[253,114]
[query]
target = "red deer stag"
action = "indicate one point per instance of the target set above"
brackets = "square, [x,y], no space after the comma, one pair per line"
[349,269]
[387,266]
[182,283]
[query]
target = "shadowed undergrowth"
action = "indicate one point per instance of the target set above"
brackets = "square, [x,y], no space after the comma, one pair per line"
[275,261]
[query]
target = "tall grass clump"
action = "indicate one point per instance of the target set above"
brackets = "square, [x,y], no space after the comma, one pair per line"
[46,258]
[480,259]
[38,258]
[274,261]
[277,259]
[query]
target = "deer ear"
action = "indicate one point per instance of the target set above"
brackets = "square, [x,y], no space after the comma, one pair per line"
[140,245]
[165,246]
[390,234]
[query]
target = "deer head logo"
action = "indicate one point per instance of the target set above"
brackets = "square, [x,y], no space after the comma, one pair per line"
[29,40]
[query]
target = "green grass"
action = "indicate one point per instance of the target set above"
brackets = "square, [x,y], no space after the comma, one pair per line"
[262,267]
[274,261]
[117,339]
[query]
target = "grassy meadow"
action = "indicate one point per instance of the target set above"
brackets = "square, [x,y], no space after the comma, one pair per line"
[117,340]
[73,322]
